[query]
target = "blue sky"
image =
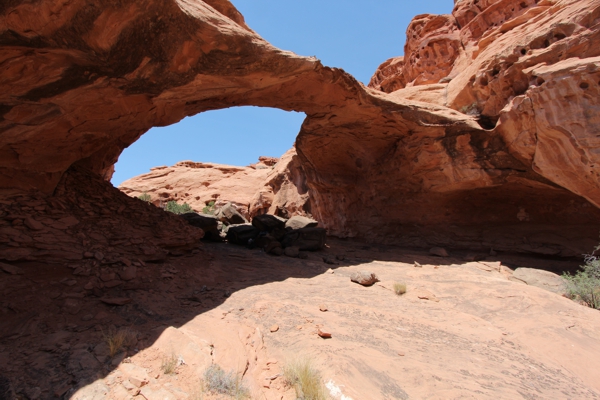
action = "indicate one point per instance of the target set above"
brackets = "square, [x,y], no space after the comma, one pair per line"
[348,34]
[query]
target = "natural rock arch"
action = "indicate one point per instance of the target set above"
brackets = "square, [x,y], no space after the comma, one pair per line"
[83,80]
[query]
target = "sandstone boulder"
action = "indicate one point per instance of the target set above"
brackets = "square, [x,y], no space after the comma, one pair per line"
[439,252]
[292,251]
[268,223]
[543,279]
[242,234]
[229,215]
[299,222]
[305,239]
[364,278]
[208,223]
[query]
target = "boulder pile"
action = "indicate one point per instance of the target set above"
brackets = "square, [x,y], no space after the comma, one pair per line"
[273,234]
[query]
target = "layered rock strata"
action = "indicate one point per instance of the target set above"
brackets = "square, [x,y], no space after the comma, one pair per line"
[83,80]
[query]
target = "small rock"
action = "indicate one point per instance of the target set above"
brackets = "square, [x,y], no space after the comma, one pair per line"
[274,328]
[329,260]
[324,334]
[118,358]
[472,257]
[11,269]
[425,295]
[33,393]
[438,251]
[107,276]
[89,286]
[401,354]
[364,278]
[98,256]
[276,251]
[113,283]
[128,273]
[272,245]
[292,251]
[33,224]
[116,301]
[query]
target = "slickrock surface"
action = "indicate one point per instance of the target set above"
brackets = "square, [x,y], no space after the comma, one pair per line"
[462,330]
[274,186]
[82,80]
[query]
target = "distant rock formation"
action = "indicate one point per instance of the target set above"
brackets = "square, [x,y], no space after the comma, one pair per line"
[272,185]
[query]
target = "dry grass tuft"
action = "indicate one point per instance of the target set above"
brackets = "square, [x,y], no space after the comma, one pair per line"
[169,364]
[117,339]
[217,381]
[399,288]
[305,379]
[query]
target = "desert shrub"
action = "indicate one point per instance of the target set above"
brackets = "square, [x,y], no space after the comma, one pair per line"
[471,109]
[585,284]
[169,364]
[145,197]
[209,209]
[305,379]
[117,339]
[399,288]
[175,208]
[218,381]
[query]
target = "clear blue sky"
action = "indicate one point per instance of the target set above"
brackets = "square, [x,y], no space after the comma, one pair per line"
[353,35]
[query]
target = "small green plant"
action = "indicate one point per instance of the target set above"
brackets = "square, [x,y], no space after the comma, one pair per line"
[169,364]
[305,379]
[175,208]
[471,109]
[116,339]
[145,197]
[584,286]
[217,381]
[209,209]
[399,288]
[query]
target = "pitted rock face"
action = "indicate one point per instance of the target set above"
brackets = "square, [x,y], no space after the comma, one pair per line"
[432,45]
[83,80]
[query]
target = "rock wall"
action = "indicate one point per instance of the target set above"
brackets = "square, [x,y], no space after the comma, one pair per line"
[83,80]
[89,222]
